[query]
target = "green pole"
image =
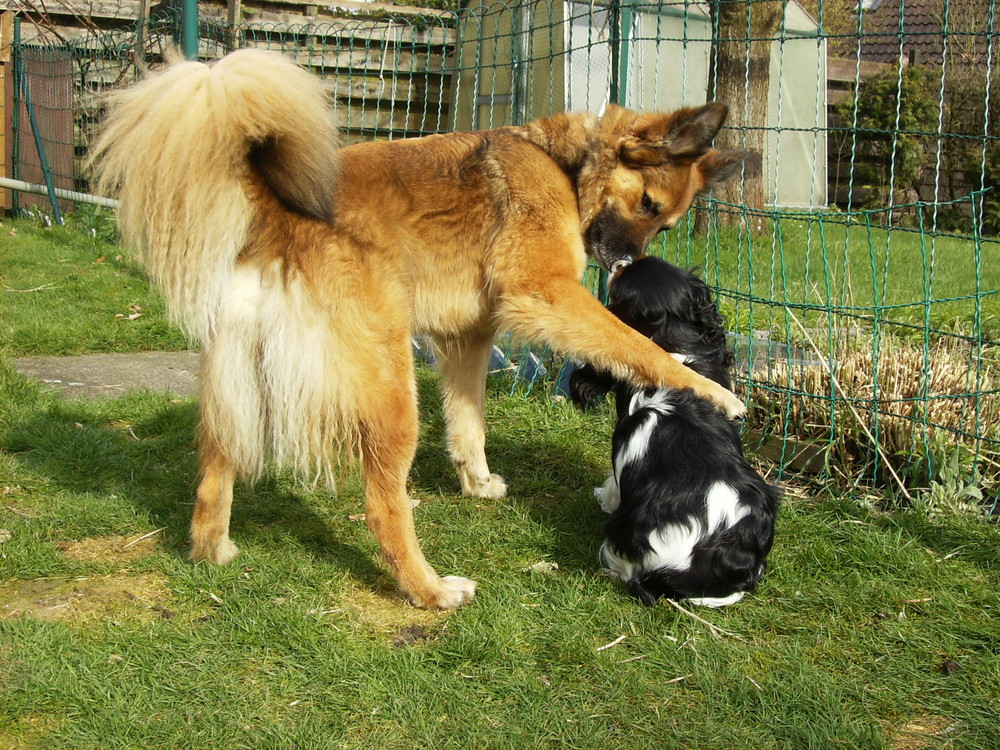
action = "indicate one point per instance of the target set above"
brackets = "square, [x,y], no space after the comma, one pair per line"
[16,119]
[189,29]
[21,83]
[627,13]
[615,13]
[621,27]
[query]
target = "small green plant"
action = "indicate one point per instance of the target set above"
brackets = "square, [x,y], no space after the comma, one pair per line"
[955,486]
[96,221]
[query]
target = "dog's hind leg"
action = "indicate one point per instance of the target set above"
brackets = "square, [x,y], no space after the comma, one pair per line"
[463,364]
[210,524]
[388,433]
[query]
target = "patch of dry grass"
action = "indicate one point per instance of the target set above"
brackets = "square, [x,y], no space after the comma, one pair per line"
[114,548]
[922,733]
[386,613]
[903,409]
[86,599]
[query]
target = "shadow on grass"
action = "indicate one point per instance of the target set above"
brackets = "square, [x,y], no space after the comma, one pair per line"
[152,463]
[141,449]
[973,540]
[549,477]
[554,483]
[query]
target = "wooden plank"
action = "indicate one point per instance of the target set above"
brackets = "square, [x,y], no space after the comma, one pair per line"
[277,24]
[846,69]
[371,59]
[128,9]
[414,25]
[417,120]
[359,89]
[142,13]
[6,35]
[807,456]
[836,96]
[234,15]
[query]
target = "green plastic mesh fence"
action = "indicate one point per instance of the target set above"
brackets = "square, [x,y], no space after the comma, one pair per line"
[857,264]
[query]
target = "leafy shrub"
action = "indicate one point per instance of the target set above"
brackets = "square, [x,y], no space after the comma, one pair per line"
[895,113]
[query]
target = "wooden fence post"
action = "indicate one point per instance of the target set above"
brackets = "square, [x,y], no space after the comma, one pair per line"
[234,14]
[141,20]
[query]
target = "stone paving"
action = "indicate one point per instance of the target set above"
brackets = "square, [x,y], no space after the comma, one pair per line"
[91,376]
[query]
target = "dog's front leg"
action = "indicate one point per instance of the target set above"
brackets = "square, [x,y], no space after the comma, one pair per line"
[563,313]
[463,363]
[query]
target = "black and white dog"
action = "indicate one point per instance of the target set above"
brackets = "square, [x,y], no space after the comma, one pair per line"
[690,519]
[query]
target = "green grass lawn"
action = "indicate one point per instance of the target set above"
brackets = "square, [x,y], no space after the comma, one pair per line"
[62,292]
[871,630]
[855,273]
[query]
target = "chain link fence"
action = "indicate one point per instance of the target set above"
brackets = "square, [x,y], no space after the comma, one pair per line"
[859,280]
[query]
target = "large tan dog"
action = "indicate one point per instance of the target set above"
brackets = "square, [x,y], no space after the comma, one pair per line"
[304,269]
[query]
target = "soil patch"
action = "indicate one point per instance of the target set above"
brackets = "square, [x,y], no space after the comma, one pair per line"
[122,597]
[113,548]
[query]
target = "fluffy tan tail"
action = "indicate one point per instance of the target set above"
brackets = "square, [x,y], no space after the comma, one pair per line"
[178,148]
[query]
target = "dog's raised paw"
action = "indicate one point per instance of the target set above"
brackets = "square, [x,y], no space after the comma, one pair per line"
[733,406]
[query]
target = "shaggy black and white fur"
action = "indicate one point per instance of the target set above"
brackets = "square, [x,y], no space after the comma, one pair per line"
[690,519]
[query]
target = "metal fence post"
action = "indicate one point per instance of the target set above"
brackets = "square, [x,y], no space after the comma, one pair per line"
[621,29]
[21,78]
[15,148]
[189,29]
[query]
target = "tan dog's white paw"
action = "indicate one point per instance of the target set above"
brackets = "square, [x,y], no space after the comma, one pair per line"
[494,486]
[457,592]
[730,404]
[221,553]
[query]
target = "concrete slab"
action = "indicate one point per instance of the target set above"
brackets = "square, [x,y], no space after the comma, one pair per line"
[92,376]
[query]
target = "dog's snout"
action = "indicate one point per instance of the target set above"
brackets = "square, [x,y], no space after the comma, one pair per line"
[619,265]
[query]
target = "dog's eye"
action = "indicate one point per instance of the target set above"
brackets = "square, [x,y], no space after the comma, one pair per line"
[648,206]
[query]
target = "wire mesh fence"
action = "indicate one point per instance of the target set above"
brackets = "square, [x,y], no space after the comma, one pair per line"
[858,268]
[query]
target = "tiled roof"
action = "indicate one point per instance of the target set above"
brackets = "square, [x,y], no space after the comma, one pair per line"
[915,29]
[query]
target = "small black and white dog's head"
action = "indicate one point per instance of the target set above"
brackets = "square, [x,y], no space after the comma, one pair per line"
[690,519]
[675,309]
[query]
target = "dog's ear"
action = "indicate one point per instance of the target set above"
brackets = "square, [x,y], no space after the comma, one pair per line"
[718,167]
[687,134]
